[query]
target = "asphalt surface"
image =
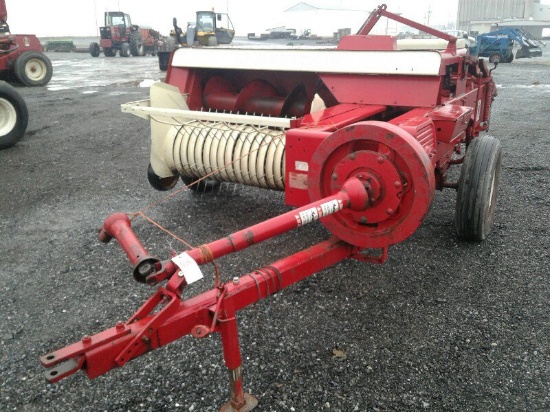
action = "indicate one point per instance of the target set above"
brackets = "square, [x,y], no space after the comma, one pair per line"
[444,325]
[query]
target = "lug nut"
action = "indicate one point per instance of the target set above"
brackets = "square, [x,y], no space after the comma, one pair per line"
[235,280]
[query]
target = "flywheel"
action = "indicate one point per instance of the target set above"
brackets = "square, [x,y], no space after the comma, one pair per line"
[396,171]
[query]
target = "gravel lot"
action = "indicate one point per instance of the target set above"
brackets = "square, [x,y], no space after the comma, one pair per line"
[444,325]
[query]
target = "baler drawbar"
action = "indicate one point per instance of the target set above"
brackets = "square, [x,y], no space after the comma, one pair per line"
[359,138]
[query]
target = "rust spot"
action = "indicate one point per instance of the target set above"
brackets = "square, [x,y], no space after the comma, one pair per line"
[249,237]
[390,135]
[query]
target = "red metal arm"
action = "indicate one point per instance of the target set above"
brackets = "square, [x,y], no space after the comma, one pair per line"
[164,318]
[102,352]
[353,195]
[382,11]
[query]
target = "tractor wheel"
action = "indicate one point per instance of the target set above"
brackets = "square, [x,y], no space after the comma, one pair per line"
[33,69]
[94,49]
[495,58]
[14,116]
[170,44]
[125,50]
[510,58]
[136,44]
[109,52]
[522,53]
[160,183]
[477,188]
[205,185]
[212,41]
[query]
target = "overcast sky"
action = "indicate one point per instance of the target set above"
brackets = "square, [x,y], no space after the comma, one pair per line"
[82,17]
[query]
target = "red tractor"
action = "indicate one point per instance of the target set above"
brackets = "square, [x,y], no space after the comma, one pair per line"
[21,54]
[120,34]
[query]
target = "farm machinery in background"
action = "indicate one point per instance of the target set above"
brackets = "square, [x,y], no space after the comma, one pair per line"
[209,29]
[359,137]
[21,55]
[498,45]
[120,35]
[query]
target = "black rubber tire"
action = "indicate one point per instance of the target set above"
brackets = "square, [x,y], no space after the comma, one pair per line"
[510,58]
[125,50]
[164,60]
[170,44]
[109,52]
[212,41]
[33,69]
[477,188]
[204,186]
[160,183]
[136,44]
[94,49]
[14,116]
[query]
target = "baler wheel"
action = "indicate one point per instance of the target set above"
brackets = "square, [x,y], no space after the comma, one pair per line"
[14,116]
[160,183]
[33,69]
[94,49]
[125,50]
[477,188]
[203,186]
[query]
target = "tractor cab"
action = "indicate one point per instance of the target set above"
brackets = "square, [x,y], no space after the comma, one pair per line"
[210,25]
[116,25]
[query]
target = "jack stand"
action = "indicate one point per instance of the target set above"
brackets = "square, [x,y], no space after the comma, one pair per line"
[240,401]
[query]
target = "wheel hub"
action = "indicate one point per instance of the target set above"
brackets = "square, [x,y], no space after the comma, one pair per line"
[380,178]
[35,70]
[8,117]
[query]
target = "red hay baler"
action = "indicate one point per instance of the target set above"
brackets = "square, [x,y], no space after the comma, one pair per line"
[359,138]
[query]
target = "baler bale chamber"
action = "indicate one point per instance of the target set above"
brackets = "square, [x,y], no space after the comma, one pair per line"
[359,137]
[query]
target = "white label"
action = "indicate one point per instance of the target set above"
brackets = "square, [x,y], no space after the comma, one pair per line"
[189,268]
[314,213]
[331,207]
[308,216]
[301,166]
[478,111]
[297,180]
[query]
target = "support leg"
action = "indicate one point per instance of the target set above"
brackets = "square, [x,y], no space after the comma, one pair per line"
[240,401]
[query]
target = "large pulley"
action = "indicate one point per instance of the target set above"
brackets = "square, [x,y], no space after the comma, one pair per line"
[396,172]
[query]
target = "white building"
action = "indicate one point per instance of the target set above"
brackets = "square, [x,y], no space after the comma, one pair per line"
[482,17]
